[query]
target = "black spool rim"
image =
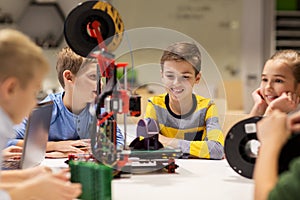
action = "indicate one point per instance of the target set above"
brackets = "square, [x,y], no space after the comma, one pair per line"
[75,31]
[235,145]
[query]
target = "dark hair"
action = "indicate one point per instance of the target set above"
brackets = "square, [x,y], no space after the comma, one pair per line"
[290,57]
[182,51]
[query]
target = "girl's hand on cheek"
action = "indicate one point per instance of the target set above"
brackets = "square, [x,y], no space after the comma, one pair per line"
[286,102]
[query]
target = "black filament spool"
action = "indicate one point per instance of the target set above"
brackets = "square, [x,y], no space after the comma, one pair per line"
[240,156]
[237,150]
[75,27]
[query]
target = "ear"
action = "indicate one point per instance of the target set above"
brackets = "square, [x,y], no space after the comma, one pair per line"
[161,73]
[68,76]
[9,86]
[198,77]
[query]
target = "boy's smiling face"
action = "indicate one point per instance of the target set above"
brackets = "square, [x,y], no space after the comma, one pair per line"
[179,78]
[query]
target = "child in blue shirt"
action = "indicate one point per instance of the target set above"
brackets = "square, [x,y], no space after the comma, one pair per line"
[71,117]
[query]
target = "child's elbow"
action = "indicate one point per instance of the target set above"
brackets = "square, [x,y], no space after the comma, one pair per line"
[217,151]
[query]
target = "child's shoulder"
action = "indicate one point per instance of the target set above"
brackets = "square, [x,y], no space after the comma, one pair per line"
[53,97]
[201,99]
[158,98]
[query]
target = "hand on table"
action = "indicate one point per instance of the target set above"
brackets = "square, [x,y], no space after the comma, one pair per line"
[166,141]
[35,171]
[12,152]
[69,146]
[48,187]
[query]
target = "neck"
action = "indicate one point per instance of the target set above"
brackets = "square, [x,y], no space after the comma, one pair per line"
[181,107]
[72,105]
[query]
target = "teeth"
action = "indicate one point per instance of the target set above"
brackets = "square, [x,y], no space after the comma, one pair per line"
[177,90]
[271,97]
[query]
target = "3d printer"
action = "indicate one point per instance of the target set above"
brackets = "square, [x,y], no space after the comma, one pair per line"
[94,29]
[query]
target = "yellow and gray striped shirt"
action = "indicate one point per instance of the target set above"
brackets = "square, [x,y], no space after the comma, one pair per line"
[198,131]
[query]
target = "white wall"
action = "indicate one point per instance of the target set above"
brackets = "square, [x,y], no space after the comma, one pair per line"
[230,31]
[213,24]
[253,46]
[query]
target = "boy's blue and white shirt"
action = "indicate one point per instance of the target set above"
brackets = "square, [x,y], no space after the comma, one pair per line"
[64,124]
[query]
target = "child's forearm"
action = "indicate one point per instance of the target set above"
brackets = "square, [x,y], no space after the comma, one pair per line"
[12,176]
[50,146]
[269,110]
[266,171]
[257,110]
[21,192]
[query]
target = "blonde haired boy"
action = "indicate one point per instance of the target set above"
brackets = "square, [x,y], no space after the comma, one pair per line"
[22,70]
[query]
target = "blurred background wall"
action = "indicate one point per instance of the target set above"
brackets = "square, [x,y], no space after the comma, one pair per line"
[238,36]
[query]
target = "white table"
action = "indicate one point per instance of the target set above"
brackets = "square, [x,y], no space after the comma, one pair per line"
[194,179]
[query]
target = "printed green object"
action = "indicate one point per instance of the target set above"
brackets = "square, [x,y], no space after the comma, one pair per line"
[95,179]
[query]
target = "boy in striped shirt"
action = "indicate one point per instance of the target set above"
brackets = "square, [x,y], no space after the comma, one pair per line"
[186,120]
